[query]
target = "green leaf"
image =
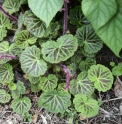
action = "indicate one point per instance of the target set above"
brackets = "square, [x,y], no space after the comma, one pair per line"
[15,94]
[64,48]
[45,9]
[12,86]
[99,12]
[76,17]
[117,70]
[34,80]
[4,24]
[24,38]
[34,25]
[31,63]
[88,39]
[23,1]
[87,106]
[5,49]
[21,105]
[111,32]
[101,76]
[85,65]
[35,87]
[48,83]
[4,96]
[11,6]
[6,73]
[82,85]
[54,101]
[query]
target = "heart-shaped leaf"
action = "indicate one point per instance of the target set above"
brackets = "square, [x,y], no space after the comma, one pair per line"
[21,105]
[99,12]
[4,24]
[4,96]
[101,76]
[6,73]
[34,25]
[31,63]
[82,85]
[88,39]
[11,6]
[48,83]
[64,48]
[24,38]
[85,65]
[45,9]
[87,106]
[54,101]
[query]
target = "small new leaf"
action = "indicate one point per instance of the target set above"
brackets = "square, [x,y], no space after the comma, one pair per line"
[87,106]
[4,96]
[48,83]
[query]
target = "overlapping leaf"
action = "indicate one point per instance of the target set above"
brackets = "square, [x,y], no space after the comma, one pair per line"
[48,83]
[64,48]
[11,6]
[54,101]
[85,65]
[31,63]
[6,50]
[21,105]
[4,24]
[34,25]
[88,39]
[76,17]
[24,38]
[99,12]
[87,106]
[6,73]
[4,96]
[101,76]
[45,9]
[82,85]
[34,80]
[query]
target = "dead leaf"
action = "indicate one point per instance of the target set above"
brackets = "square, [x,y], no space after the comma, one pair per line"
[118,87]
[82,117]
[25,76]
[35,117]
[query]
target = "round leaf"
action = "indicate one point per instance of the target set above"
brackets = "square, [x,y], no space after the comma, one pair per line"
[54,101]
[64,48]
[48,83]
[6,73]
[34,25]
[88,39]
[81,85]
[24,38]
[31,63]
[4,96]
[21,105]
[101,76]
[87,106]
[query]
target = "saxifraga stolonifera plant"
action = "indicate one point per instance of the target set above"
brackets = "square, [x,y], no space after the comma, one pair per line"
[58,66]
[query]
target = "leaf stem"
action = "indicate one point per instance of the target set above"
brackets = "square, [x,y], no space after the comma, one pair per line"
[7,14]
[8,56]
[65,16]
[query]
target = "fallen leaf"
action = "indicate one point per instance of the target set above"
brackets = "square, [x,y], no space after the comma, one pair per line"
[118,87]
[35,117]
